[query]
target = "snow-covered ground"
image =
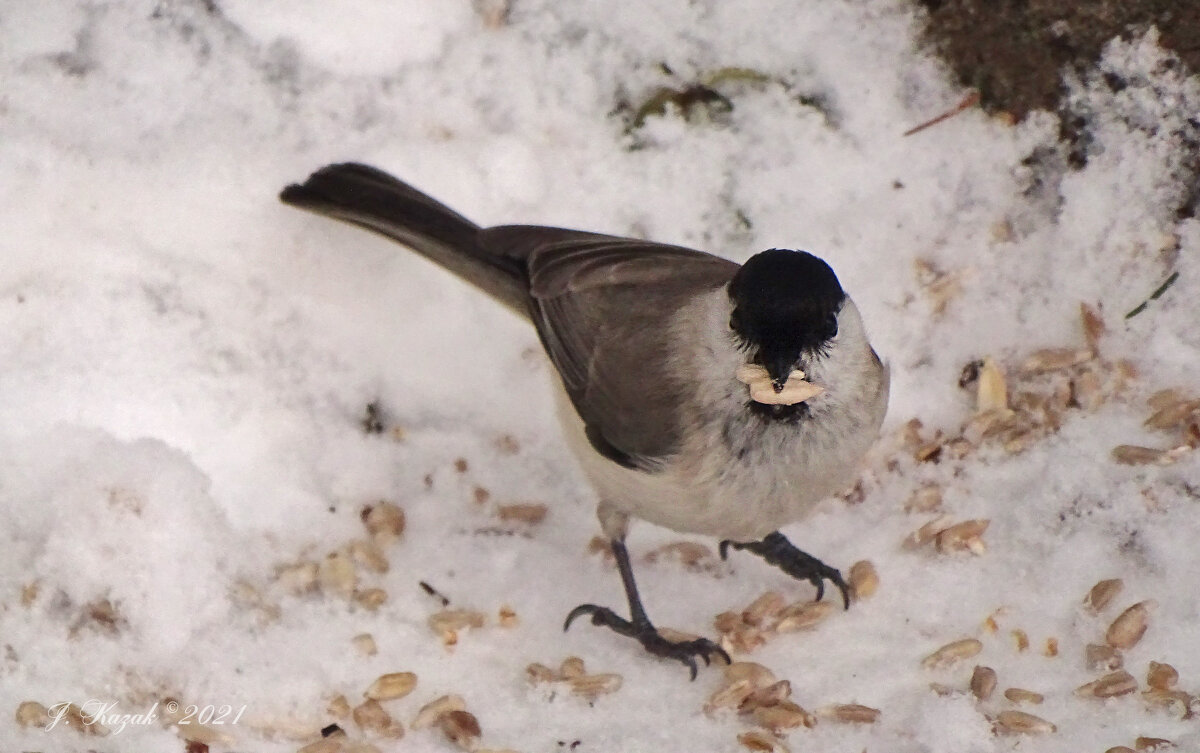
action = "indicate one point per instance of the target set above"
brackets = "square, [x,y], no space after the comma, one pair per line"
[185,366]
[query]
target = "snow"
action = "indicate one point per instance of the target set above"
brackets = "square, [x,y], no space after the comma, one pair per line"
[186,364]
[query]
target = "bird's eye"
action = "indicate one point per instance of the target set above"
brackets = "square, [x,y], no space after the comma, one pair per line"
[831,327]
[735,321]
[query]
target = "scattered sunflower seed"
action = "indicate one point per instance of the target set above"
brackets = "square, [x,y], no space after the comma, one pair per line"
[1021,695]
[952,653]
[1162,676]
[849,713]
[431,712]
[1099,657]
[32,714]
[762,742]
[592,687]
[1056,359]
[390,686]
[1103,593]
[461,728]
[983,682]
[803,616]
[571,668]
[530,514]
[384,521]
[370,716]
[1130,626]
[1019,722]
[365,644]
[864,580]
[336,574]
[784,715]
[1113,684]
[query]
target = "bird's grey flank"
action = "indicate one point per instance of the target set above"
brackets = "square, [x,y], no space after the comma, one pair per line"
[700,395]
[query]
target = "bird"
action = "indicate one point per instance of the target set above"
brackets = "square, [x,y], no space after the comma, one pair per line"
[698,394]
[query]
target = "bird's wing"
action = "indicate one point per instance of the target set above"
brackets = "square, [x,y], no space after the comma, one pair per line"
[603,307]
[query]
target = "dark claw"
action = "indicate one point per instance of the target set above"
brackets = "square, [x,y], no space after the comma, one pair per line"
[778,551]
[644,633]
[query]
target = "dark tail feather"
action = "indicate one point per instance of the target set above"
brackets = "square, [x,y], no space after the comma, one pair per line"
[372,199]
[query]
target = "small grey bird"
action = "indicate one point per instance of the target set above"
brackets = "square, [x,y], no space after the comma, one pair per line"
[698,395]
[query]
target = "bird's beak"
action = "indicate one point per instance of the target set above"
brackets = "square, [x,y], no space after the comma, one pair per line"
[779,369]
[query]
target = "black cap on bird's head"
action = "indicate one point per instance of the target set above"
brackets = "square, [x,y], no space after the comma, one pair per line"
[785,306]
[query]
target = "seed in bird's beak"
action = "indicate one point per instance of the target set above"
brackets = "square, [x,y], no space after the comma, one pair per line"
[765,389]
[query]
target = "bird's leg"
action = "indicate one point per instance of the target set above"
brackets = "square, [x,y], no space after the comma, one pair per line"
[778,551]
[639,627]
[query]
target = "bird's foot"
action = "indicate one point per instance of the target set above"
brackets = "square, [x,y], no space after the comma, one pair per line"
[646,634]
[778,551]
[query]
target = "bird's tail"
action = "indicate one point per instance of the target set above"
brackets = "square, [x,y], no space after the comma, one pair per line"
[372,199]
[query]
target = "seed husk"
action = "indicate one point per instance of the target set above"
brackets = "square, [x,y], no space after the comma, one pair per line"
[727,622]
[1152,743]
[1021,695]
[592,687]
[782,716]
[453,620]
[538,673]
[1176,702]
[928,532]
[849,713]
[1019,722]
[758,675]
[768,696]
[677,636]
[371,598]
[339,707]
[369,554]
[461,728]
[530,514]
[953,653]
[1020,640]
[864,580]
[1099,657]
[1173,415]
[327,745]
[392,685]
[1130,626]
[1092,323]
[1103,593]
[762,742]
[1128,454]
[803,616]
[992,391]
[763,608]
[688,553]
[1162,676]
[571,668]
[1056,359]
[966,535]
[1121,749]
[507,617]
[365,644]
[729,696]
[431,712]
[32,714]
[926,499]
[298,578]
[1051,649]
[384,521]
[370,716]
[336,574]
[1111,685]
[983,682]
